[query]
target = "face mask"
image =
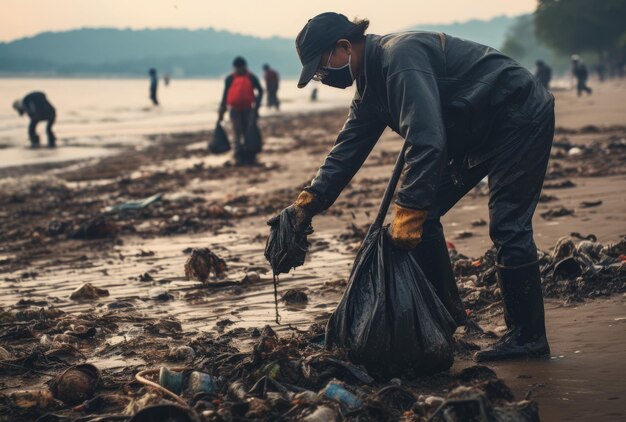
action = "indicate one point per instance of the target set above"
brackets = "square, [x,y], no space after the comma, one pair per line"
[338,77]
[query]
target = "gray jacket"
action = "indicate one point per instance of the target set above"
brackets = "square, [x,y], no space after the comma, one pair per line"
[443,95]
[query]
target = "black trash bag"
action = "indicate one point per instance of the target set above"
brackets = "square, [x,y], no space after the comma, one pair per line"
[219,144]
[390,319]
[286,246]
[253,139]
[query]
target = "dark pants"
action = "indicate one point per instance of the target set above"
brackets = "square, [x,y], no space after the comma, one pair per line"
[515,178]
[581,86]
[272,99]
[241,120]
[32,130]
[153,96]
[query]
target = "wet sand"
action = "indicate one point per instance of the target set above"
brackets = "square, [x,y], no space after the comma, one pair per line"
[38,266]
[584,379]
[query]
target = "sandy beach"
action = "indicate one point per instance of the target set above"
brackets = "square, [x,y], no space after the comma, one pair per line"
[57,232]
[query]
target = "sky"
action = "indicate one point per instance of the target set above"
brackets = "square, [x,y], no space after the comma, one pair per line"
[264,18]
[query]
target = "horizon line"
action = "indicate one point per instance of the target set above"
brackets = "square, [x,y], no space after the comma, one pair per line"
[138,29]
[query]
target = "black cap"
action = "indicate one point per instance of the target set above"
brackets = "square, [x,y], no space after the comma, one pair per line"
[318,35]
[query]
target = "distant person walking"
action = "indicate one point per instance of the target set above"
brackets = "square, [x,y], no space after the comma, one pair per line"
[543,73]
[154,83]
[39,109]
[601,71]
[240,99]
[271,84]
[579,69]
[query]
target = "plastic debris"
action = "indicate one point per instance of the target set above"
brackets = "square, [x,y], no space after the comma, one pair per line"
[200,382]
[134,205]
[295,297]
[337,392]
[32,398]
[556,212]
[88,292]
[202,263]
[171,380]
[76,384]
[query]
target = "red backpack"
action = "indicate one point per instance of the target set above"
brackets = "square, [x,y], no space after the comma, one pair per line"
[241,93]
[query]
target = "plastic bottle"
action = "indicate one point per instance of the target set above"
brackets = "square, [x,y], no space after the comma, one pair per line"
[337,392]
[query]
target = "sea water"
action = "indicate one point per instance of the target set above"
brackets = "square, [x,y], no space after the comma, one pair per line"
[96,117]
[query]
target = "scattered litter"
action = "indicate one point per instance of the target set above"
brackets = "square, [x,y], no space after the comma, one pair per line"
[76,384]
[547,198]
[202,263]
[337,392]
[5,354]
[572,271]
[26,399]
[464,234]
[590,237]
[145,277]
[134,205]
[96,228]
[479,223]
[144,254]
[165,412]
[295,297]
[565,184]
[88,292]
[171,380]
[200,382]
[252,277]
[590,204]
[183,353]
[159,293]
[556,212]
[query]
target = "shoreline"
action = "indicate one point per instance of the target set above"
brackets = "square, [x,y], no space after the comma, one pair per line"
[150,139]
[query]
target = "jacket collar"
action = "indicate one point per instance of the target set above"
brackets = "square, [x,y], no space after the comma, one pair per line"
[371,66]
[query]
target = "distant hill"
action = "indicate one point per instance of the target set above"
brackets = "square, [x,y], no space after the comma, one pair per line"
[182,52]
[108,51]
[490,32]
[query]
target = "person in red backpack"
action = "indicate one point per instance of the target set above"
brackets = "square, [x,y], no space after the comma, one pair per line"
[239,97]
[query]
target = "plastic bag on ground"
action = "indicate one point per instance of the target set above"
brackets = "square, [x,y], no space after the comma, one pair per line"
[253,138]
[390,318]
[219,144]
[286,247]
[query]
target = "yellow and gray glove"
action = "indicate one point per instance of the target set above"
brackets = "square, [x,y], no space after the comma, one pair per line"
[406,229]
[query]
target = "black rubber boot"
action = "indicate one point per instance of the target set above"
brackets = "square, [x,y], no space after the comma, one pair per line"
[432,256]
[524,316]
[239,158]
[34,141]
